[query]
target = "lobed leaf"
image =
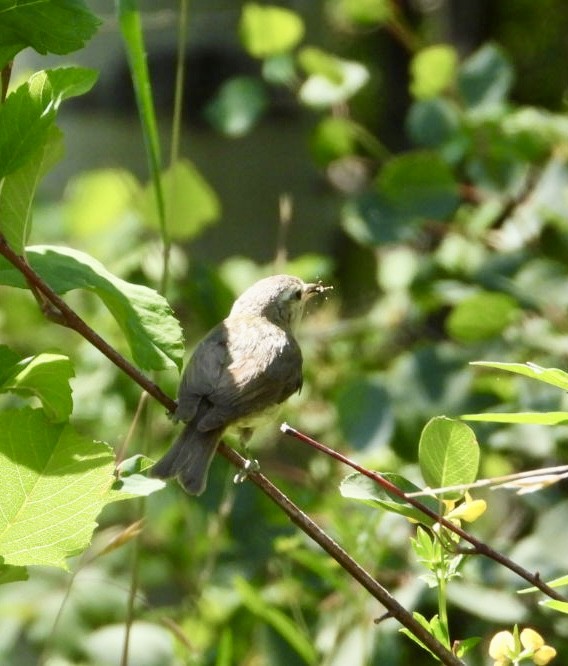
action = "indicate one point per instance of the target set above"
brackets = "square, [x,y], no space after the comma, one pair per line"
[55,483]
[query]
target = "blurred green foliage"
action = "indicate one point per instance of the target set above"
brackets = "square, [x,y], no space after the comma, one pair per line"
[453,251]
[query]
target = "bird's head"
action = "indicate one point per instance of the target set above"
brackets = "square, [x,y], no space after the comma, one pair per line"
[279,298]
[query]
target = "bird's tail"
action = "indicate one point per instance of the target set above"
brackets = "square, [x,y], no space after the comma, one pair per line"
[189,458]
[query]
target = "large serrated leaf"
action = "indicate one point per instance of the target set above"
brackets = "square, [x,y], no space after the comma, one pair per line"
[28,113]
[144,316]
[448,454]
[48,26]
[45,376]
[54,484]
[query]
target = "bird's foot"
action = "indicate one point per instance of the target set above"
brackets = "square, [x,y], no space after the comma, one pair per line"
[250,466]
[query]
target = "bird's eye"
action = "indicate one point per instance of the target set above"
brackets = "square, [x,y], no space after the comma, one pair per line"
[297,294]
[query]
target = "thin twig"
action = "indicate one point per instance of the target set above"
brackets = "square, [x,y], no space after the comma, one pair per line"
[479,547]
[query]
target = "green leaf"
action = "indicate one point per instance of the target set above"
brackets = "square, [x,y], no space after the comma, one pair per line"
[8,360]
[9,574]
[268,30]
[560,606]
[333,137]
[433,70]
[48,26]
[365,413]
[238,105]
[533,418]
[331,80]
[485,78]
[145,317]
[19,188]
[130,23]
[365,12]
[96,200]
[419,185]
[552,376]
[28,113]
[55,483]
[482,316]
[432,122]
[360,487]
[45,376]
[131,482]
[424,622]
[448,454]
[191,204]
[281,623]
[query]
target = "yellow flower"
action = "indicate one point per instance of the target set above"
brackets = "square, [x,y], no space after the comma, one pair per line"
[502,647]
[531,639]
[543,655]
[507,648]
[468,511]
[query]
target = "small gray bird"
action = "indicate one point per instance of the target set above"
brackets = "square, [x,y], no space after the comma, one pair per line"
[245,365]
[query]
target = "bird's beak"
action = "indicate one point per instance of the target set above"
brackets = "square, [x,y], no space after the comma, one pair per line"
[312,288]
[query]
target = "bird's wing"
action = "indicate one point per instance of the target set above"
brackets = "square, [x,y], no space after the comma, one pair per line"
[203,372]
[263,367]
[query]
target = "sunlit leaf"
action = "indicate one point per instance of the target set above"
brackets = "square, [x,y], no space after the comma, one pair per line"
[45,376]
[267,30]
[553,376]
[55,483]
[448,454]
[191,203]
[534,418]
[433,70]
[95,200]
[331,80]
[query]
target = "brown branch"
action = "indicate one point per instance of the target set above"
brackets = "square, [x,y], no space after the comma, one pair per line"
[356,571]
[479,547]
[58,310]
[69,318]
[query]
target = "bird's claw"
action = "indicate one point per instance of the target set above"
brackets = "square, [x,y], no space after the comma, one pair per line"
[249,466]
